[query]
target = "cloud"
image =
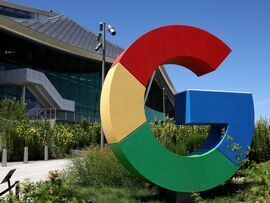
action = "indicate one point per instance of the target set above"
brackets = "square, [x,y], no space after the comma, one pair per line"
[262,102]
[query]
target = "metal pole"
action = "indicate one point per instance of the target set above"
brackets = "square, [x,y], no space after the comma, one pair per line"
[163,97]
[4,157]
[102,77]
[149,87]
[23,94]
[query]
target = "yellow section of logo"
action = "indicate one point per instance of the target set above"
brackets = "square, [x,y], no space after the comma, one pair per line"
[121,104]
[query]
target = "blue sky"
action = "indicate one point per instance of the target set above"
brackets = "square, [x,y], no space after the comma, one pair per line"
[243,25]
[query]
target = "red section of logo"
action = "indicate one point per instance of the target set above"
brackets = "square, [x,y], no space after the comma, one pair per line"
[193,48]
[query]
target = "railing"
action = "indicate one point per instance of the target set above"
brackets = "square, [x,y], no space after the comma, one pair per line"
[152,115]
[42,113]
[60,115]
[76,117]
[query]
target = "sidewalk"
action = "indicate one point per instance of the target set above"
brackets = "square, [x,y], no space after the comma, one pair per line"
[34,170]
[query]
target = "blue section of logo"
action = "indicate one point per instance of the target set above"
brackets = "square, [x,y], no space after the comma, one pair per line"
[230,115]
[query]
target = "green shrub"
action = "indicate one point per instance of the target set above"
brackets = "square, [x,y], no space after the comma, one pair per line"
[9,139]
[258,174]
[98,177]
[12,109]
[61,140]
[187,139]
[17,132]
[179,139]
[100,168]
[55,190]
[58,189]
[86,134]
[260,148]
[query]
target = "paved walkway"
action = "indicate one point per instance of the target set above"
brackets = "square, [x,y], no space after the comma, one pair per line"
[34,170]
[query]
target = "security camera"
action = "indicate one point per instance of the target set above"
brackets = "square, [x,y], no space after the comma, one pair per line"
[111,30]
[98,46]
[99,36]
[101,26]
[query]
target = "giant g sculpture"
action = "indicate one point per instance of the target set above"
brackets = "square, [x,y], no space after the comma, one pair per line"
[124,121]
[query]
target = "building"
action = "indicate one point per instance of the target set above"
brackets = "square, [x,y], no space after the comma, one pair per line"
[49,60]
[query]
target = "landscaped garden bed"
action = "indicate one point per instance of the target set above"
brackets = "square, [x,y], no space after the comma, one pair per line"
[96,176]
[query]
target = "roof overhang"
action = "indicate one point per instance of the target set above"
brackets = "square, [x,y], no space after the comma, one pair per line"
[17,29]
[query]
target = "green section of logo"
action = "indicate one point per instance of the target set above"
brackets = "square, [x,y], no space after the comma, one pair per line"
[142,154]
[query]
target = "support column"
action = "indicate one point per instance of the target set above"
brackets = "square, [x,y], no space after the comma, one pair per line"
[4,158]
[149,87]
[164,104]
[25,155]
[23,94]
[46,153]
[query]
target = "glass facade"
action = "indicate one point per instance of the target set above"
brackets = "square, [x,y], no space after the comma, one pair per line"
[84,89]
[12,12]
[74,77]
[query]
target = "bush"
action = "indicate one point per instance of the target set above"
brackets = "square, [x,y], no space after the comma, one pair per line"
[59,188]
[260,148]
[55,190]
[97,176]
[258,174]
[61,140]
[17,132]
[100,168]
[12,109]
[77,136]
[86,134]
[187,139]
[182,140]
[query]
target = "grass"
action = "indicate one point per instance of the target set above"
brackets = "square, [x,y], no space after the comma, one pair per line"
[119,194]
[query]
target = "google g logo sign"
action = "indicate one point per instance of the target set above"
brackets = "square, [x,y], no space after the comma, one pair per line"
[124,121]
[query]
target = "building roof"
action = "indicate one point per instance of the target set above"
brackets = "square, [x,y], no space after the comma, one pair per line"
[57,31]
[66,30]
